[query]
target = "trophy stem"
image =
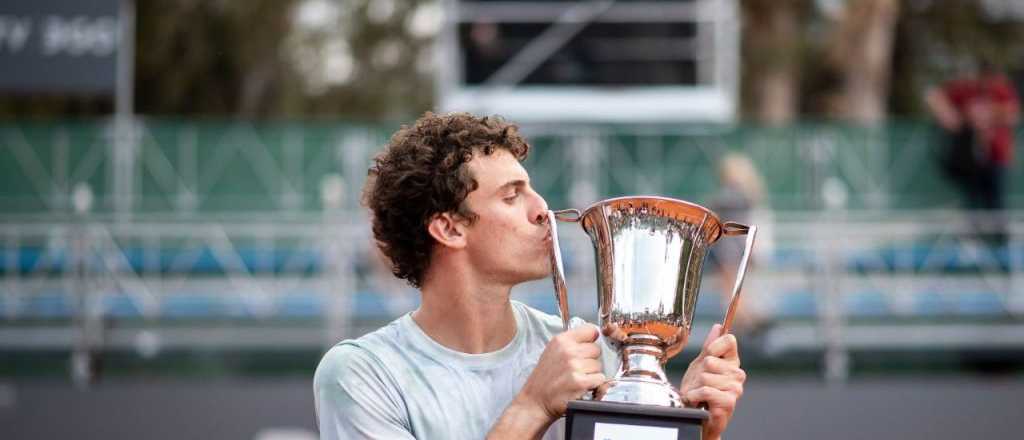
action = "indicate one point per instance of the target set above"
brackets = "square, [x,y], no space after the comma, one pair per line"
[641,357]
[641,377]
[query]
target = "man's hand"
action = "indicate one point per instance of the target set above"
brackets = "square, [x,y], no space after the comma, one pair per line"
[715,378]
[569,366]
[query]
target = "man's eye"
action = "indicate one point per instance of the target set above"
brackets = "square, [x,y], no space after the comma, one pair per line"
[511,197]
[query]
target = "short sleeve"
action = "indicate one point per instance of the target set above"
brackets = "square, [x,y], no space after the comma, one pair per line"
[355,399]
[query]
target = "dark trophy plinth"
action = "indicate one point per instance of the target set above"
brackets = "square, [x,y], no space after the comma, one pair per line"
[593,420]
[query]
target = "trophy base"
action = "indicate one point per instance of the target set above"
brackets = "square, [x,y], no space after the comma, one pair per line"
[639,390]
[591,420]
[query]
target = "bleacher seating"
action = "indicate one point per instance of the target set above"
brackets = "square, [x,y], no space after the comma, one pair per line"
[211,175]
[790,303]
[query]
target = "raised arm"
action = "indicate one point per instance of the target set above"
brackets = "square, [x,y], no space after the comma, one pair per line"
[942,109]
[716,379]
[568,367]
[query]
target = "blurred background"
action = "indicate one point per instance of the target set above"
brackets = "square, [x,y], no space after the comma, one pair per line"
[181,239]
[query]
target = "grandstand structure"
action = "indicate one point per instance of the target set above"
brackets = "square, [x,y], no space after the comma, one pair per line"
[245,236]
[600,60]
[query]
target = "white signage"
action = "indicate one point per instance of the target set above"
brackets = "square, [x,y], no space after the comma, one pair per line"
[615,431]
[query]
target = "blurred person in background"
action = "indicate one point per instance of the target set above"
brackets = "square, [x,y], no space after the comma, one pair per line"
[978,113]
[453,210]
[740,197]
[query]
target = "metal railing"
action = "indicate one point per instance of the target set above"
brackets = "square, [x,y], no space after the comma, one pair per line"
[831,283]
[259,224]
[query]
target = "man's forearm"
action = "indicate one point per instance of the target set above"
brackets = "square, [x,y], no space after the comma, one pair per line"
[942,109]
[520,420]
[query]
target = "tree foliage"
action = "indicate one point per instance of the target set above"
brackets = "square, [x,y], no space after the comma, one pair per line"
[371,59]
[244,59]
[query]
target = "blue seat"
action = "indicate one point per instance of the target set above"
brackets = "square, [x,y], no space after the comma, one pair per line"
[192,305]
[791,259]
[800,304]
[121,306]
[868,304]
[372,305]
[980,304]
[300,305]
[35,258]
[256,259]
[48,305]
[929,304]
[910,257]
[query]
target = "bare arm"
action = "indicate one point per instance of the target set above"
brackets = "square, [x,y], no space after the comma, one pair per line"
[716,379]
[568,367]
[942,109]
[522,419]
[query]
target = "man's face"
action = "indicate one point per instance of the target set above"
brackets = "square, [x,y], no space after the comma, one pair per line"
[509,241]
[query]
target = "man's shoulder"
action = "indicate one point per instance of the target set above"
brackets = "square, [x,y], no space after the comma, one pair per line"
[346,359]
[355,392]
[363,355]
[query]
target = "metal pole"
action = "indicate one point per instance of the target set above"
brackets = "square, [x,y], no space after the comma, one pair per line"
[88,324]
[126,60]
[836,357]
[337,282]
[449,72]
[90,319]
[124,140]
[727,49]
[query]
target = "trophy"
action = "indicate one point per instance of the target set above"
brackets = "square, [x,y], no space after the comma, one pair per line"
[649,252]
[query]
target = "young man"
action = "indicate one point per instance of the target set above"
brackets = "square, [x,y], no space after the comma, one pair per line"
[454,212]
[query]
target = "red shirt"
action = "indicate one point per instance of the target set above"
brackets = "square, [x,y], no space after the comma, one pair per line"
[988,94]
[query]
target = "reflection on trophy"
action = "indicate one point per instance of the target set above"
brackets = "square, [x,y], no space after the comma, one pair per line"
[649,253]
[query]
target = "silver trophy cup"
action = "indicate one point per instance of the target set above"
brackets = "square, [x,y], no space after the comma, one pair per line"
[649,254]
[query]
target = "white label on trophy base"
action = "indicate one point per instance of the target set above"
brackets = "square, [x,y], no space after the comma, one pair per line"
[615,431]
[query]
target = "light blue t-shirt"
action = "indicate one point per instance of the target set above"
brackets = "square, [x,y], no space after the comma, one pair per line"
[398,383]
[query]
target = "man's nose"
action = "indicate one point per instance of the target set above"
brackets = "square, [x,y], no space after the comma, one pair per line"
[540,215]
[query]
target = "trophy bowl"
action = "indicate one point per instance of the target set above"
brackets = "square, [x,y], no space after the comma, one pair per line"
[649,254]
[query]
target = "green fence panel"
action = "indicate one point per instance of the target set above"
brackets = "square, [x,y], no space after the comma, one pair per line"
[218,166]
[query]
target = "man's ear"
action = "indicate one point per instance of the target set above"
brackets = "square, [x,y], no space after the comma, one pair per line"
[448,230]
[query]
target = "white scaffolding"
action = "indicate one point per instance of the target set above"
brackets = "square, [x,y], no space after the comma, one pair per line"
[714,50]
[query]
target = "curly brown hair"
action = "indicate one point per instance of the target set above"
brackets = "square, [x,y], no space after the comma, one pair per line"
[421,173]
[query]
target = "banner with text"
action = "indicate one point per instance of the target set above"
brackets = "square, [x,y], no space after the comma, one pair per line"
[58,46]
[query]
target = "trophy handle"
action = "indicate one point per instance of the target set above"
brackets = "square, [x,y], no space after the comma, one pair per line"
[564,214]
[733,228]
[557,270]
